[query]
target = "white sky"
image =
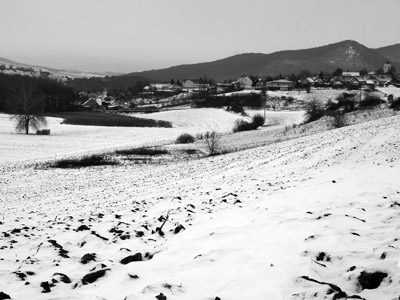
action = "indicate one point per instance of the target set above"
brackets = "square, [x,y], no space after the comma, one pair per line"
[133,35]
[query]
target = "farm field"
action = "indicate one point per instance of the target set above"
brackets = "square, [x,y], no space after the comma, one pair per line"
[70,140]
[73,140]
[197,120]
[310,218]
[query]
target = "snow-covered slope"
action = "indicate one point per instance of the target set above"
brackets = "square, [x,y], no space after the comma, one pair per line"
[308,218]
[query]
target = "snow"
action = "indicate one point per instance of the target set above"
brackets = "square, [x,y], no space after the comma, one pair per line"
[197,120]
[255,221]
[76,140]
[281,117]
[240,93]
[395,91]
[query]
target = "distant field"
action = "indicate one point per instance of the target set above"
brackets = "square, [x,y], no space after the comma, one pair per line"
[199,120]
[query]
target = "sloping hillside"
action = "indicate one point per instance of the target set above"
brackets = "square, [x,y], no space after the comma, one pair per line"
[311,218]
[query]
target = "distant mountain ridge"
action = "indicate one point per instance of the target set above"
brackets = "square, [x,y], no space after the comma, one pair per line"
[36,70]
[348,55]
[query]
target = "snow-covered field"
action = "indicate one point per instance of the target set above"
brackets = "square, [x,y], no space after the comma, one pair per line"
[74,140]
[197,120]
[390,91]
[308,218]
[281,117]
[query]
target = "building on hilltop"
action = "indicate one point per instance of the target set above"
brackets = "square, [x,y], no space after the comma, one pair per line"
[387,67]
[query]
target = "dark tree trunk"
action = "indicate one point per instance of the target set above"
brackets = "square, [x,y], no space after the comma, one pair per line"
[27,125]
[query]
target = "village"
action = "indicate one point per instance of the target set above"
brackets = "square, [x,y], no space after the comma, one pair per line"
[156,96]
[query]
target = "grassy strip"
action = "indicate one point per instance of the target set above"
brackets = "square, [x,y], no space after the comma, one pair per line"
[109,119]
[85,161]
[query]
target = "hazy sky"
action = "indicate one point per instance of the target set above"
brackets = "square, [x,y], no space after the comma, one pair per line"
[133,35]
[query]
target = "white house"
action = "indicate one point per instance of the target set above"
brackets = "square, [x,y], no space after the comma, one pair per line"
[281,84]
[351,74]
[194,85]
[243,82]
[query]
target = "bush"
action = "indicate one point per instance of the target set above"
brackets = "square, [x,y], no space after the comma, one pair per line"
[314,110]
[370,100]
[338,119]
[395,104]
[185,138]
[86,161]
[347,101]
[199,136]
[258,120]
[344,100]
[249,100]
[242,125]
[290,100]
[237,108]
[142,151]
[43,132]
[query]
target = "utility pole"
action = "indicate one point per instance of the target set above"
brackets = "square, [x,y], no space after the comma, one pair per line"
[265,92]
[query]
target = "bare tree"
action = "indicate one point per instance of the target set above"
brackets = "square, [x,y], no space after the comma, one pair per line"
[213,140]
[26,106]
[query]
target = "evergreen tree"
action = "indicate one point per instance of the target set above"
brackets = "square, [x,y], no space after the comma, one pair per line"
[338,72]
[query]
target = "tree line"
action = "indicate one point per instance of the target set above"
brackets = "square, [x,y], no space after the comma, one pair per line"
[28,99]
[46,95]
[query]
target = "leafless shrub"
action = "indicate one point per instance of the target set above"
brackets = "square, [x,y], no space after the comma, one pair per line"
[339,119]
[213,142]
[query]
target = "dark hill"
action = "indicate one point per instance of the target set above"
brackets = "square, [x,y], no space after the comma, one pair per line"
[390,52]
[113,82]
[348,55]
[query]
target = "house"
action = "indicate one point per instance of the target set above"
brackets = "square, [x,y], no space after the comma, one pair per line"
[356,82]
[370,83]
[308,81]
[175,87]
[351,74]
[194,85]
[224,88]
[337,84]
[242,82]
[383,80]
[190,84]
[118,104]
[319,82]
[281,84]
[91,104]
